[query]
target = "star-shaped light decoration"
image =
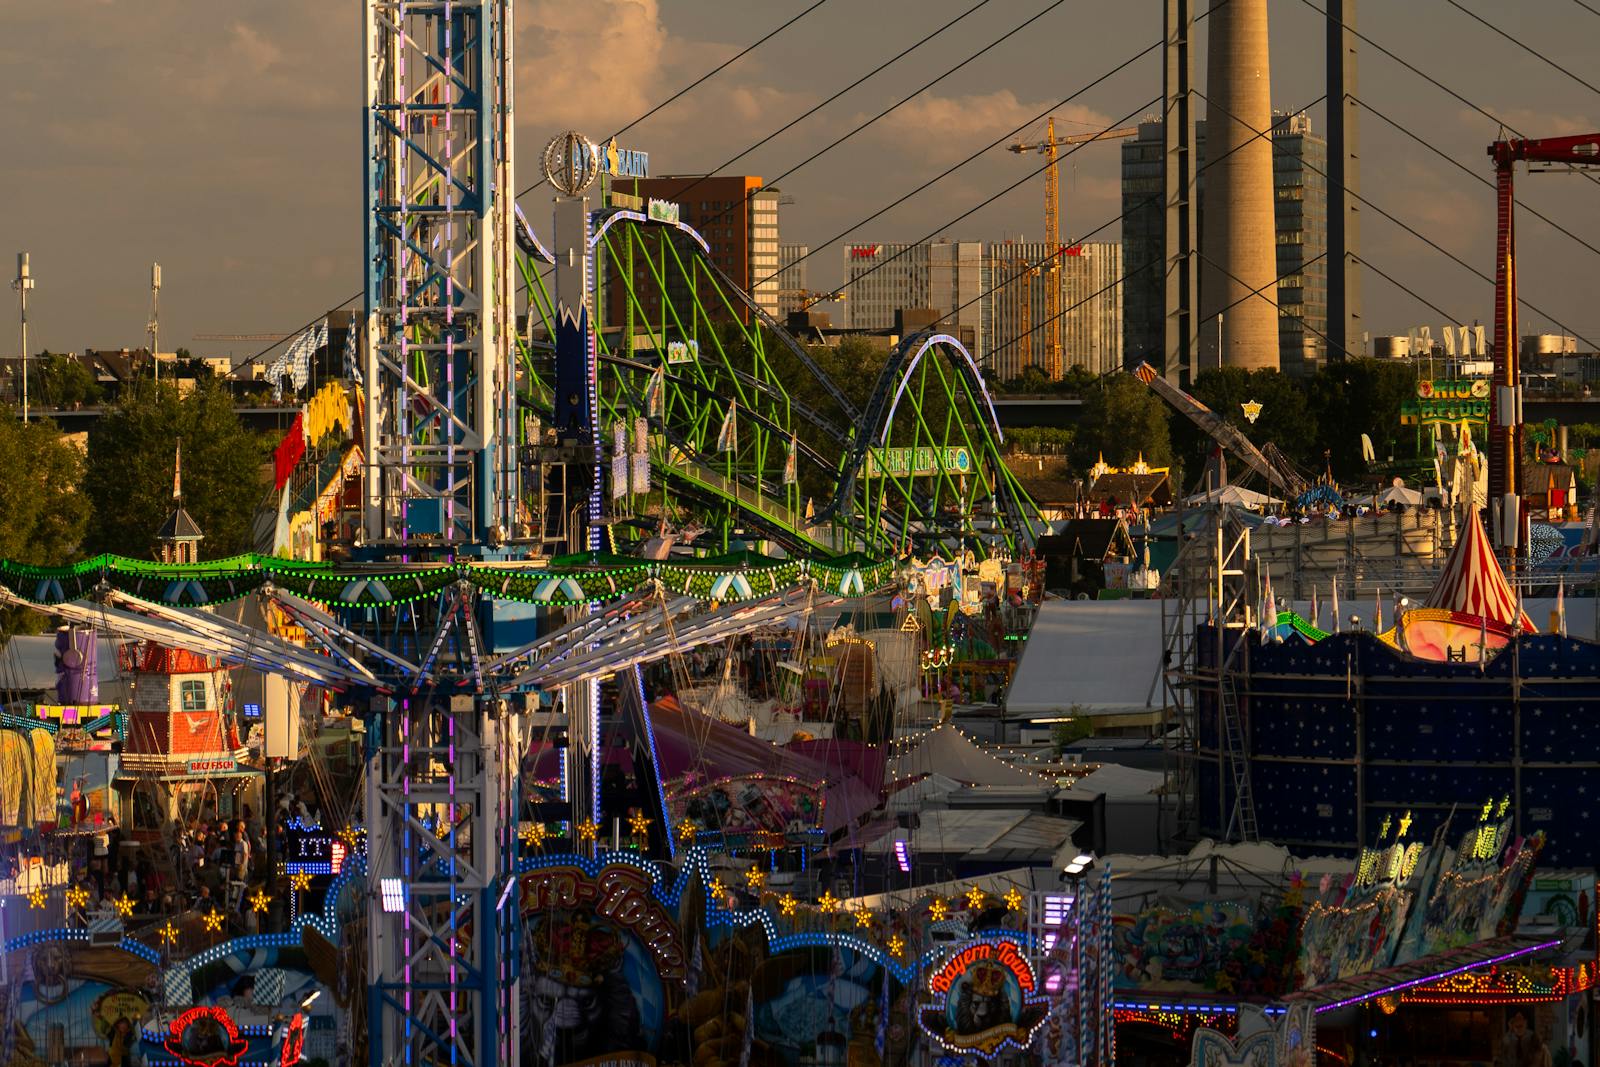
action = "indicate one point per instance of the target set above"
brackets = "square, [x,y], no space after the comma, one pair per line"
[686,832]
[1405,824]
[828,902]
[974,898]
[350,835]
[77,896]
[717,888]
[754,877]
[1505,805]
[259,901]
[1383,828]
[300,881]
[938,910]
[863,918]
[1488,806]
[639,823]
[36,899]
[1013,899]
[588,830]
[213,920]
[897,945]
[1252,411]
[168,933]
[533,834]
[786,904]
[124,905]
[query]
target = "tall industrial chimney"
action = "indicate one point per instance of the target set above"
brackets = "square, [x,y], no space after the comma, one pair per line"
[1238,239]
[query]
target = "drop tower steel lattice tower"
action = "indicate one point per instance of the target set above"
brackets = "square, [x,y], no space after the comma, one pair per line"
[440,483]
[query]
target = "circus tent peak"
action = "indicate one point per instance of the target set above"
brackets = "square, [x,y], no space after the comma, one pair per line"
[1473,583]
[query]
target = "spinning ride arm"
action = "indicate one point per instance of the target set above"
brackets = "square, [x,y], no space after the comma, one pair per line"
[1223,432]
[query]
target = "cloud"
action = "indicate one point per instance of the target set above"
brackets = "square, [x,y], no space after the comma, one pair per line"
[955,126]
[591,66]
[1531,122]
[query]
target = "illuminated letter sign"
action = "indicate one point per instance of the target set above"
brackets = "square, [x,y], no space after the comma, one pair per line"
[864,251]
[624,162]
[984,1000]
[205,1037]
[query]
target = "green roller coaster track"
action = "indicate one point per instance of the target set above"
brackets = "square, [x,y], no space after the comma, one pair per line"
[915,463]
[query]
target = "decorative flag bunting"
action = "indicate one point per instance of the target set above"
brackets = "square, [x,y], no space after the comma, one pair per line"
[789,473]
[728,436]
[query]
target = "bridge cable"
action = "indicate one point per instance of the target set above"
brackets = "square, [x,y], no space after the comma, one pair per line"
[1431,80]
[1535,53]
[669,100]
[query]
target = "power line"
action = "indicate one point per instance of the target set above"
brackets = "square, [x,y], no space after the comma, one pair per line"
[1412,293]
[957,166]
[1531,51]
[1473,174]
[886,111]
[1586,7]
[1424,238]
[1430,79]
[763,39]
[1028,268]
[714,71]
[885,65]
[1014,131]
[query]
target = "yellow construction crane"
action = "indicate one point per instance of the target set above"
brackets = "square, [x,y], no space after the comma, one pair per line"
[807,297]
[1052,227]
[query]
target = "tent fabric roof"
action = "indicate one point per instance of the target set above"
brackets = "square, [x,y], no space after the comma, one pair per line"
[1089,653]
[1473,583]
[1232,494]
[1115,780]
[987,835]
[1140,489]
[947,751]
[1088,539]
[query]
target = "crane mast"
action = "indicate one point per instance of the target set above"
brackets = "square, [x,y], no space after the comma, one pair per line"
[1052,238]
[1052,228]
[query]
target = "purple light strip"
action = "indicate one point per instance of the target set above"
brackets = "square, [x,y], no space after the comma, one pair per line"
[1399,986]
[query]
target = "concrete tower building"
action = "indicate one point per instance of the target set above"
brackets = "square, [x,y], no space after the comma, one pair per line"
[1237,240]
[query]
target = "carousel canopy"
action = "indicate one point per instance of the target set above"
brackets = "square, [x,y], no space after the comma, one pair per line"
[1473,583]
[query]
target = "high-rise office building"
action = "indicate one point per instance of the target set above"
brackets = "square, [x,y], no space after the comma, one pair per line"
[880,279]
[792,264]
[1300,200]
[992,293]
[738,218]
[1014,323]
[1300,186]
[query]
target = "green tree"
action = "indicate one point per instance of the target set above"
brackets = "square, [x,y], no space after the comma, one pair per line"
[1356,396]
[42,512]
[1285,418]
[61,382]
[1123,420]
[129,477]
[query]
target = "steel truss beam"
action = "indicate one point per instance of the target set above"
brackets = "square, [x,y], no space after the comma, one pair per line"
[437,339]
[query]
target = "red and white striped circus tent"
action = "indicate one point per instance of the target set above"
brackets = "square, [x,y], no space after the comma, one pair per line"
[1473,583]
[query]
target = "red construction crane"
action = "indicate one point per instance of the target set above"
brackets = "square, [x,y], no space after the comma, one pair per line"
[1505,421]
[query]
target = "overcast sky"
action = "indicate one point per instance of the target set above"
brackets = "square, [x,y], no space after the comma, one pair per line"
[223,138]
